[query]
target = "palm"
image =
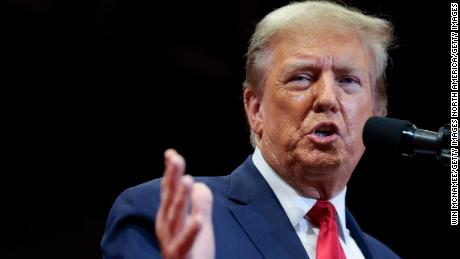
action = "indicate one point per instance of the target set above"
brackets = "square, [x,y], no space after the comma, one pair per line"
[182,234]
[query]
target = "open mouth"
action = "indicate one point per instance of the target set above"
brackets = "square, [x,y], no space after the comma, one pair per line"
[324,133]
[325,130]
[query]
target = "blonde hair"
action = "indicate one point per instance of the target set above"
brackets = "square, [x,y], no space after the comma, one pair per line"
[376,33]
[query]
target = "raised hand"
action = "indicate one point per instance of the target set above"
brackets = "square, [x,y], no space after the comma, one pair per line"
[183,234]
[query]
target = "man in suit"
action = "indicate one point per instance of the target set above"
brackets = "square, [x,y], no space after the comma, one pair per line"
[314,75]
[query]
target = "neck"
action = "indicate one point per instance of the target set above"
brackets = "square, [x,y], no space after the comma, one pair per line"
[310,181]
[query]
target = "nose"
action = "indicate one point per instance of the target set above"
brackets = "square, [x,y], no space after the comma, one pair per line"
[326,94]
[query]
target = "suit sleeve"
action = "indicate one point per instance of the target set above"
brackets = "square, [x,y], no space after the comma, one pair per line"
[130,228]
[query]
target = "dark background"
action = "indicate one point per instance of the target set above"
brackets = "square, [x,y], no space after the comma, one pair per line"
[95,91]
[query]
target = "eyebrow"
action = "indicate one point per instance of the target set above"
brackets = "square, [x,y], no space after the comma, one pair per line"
[305,62]
[347,67]
[311,62]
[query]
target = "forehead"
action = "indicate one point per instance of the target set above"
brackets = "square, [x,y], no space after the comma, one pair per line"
[317,48]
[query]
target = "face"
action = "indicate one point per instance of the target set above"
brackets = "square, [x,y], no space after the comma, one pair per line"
[310,115]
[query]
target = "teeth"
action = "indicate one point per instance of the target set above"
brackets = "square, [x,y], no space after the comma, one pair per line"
[321,133]
[325,130]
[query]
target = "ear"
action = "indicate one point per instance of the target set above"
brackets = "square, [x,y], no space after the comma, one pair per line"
[254,111]
[379,108]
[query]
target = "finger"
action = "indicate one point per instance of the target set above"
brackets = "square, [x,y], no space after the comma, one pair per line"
[185,240]
[201,199]
[174,169]
[199,220]
[178,210]
[165,183]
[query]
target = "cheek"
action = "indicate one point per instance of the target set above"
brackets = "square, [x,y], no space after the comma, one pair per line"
[357,114]
[287,110]
[284,118]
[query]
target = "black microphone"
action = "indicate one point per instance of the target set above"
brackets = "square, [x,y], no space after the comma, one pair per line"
[394,136]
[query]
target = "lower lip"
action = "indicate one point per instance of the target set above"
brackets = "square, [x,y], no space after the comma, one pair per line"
[322,140]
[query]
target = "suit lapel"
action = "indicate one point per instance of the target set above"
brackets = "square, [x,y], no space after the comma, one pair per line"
[260,214]
[357,235]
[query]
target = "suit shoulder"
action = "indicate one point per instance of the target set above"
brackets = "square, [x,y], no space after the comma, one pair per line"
[144,199]
[218,184]
[137,196]
[380,248]
[150,189]
[130,224]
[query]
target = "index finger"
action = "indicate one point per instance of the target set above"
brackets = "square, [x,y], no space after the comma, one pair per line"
[174,169]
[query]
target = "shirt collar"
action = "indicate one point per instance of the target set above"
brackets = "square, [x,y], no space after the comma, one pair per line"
[295,205]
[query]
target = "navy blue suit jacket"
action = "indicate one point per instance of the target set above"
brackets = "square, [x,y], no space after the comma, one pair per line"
[249,222]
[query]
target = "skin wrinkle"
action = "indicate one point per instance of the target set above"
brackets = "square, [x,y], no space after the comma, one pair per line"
[287,115]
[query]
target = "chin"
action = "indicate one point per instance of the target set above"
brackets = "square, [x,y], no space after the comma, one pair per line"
[321,160]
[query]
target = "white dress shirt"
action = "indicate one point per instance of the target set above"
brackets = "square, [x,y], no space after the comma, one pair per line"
[296,207]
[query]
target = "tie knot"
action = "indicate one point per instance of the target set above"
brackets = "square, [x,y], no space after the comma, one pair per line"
[321,211]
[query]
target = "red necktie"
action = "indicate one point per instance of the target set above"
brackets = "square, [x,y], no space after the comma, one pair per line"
[328,244]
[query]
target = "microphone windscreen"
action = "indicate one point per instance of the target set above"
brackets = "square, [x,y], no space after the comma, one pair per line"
[385,135]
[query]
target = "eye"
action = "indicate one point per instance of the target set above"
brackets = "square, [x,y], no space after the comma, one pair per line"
[349,80]
[302,78]
[349,84]
[300,82]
